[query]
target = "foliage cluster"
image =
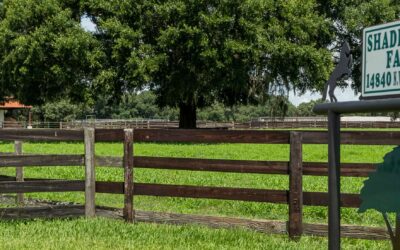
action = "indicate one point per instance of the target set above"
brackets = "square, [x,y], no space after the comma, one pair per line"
[143,105]
[191,54]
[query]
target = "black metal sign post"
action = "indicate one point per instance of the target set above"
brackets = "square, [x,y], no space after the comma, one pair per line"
[380,81]
[334,111]
[334,179]
[342,70]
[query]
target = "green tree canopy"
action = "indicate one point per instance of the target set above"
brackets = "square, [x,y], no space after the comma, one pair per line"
[45,54]
[192,53]
[60,110]
[306,108]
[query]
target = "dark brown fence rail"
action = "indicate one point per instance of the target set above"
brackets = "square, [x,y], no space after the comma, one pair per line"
[295,168]
[203,136]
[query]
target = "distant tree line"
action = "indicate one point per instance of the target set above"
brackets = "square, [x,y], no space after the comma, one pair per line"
[143,105]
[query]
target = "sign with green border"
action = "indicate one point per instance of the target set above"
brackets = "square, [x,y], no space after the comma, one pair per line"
[381,61]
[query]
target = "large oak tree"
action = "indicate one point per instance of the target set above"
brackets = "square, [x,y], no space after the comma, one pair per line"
[192,53]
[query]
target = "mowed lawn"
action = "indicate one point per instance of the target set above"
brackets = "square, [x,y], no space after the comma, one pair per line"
[104,233]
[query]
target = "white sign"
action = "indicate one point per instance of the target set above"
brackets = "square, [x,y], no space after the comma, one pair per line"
[381,61]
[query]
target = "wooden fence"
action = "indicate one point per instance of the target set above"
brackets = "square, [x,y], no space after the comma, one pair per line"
[295,197]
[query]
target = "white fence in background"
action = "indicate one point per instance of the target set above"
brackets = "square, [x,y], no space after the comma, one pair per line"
[261,123]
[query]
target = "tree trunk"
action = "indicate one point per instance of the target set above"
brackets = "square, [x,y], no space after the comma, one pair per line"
[187,116]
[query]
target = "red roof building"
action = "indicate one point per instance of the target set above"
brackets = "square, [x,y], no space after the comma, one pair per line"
[11,104]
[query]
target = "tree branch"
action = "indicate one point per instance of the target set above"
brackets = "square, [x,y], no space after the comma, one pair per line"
[389,227]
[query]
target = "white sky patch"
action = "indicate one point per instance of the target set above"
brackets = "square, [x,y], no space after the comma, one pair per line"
[342,96]
[87,24]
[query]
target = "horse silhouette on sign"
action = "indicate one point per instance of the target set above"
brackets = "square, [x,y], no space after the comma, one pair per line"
[341,71]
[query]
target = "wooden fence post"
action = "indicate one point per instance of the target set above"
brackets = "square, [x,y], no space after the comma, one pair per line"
[19,173]
[128,176]
[90,179]
[295,186]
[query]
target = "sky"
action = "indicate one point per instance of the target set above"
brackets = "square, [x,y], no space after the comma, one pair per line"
[87,24]
[342,95]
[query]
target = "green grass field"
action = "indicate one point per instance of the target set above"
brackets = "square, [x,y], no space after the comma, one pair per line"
[104,233]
